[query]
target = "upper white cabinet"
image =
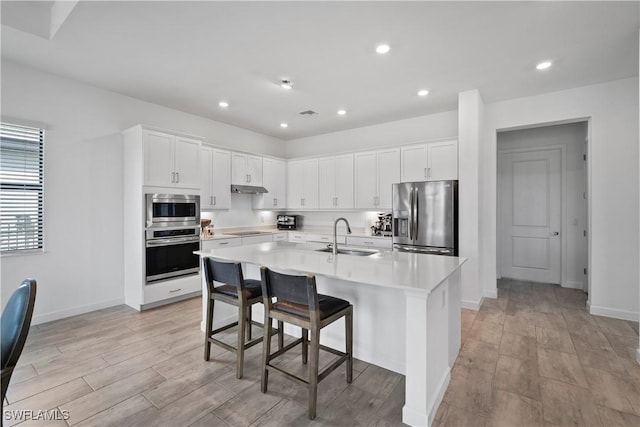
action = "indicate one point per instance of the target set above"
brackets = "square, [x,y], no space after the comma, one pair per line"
[274,180]
[335,176]
[215,182]
[170,160]
[302,184]
[432,161]
[375,172]
[246,169]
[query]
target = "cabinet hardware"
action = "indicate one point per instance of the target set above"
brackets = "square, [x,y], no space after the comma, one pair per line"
[177,177]
[173,177]
[215,201]
[367,243]
[249,177]
[224,243]
[428,172]
[175,290]
[211,200]
[425,172]
[302,202]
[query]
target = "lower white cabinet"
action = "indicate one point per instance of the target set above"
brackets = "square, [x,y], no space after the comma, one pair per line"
[280,237]
[254,240]
[371,242]
[164,290]
[325,238]
[297,237]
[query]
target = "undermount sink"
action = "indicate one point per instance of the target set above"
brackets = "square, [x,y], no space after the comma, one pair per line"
[356,252]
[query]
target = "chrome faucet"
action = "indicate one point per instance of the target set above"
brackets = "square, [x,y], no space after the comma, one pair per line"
[335,228]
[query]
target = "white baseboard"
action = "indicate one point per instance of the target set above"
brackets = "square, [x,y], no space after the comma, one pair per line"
[613,312]
[56,315]
[573,285]
[491,293]
[471,305]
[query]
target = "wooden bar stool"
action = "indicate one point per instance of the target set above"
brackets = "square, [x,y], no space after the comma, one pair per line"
[237,291]
[295,300]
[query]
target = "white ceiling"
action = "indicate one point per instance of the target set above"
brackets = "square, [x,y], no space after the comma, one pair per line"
[190,55]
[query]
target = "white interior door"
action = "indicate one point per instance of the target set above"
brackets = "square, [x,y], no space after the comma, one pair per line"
[531,213]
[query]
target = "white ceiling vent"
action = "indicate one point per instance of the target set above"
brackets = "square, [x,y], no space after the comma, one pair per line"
[308,113]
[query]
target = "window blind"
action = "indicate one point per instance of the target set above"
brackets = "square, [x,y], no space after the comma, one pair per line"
[21,188]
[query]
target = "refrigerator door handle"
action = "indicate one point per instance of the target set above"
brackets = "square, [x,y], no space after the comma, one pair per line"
[417,217]
[411,213]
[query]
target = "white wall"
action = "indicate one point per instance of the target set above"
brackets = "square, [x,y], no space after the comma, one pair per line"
[613,166]
[401,132]
[82,267]
[572,138]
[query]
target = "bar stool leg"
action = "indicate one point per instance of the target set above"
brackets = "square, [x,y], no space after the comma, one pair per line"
[249,323]
[305,345]
[280,334]
[348,322]
[242,319]
[208,327]
[313,372]
[266,352]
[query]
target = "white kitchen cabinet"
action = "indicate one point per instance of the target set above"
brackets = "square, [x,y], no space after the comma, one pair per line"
[335,182]
[230,242]
[326,238]
[215,178]
[274,180]
[297,237]
[280,237]
[302,184]
[246,169]
[370,242]
[431,161]
[170,160]
[375,173]
[442,160]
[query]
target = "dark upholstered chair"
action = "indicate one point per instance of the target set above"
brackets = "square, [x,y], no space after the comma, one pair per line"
[235,290]
[295,300]
[14,327]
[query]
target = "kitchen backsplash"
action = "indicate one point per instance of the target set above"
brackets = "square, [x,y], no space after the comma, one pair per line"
[241,214]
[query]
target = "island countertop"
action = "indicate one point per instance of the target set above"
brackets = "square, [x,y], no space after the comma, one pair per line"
[386,268]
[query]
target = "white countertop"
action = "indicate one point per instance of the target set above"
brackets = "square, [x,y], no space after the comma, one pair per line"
[390,269]
[221,233]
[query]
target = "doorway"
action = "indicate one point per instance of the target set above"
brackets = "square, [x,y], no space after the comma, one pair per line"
[542,206]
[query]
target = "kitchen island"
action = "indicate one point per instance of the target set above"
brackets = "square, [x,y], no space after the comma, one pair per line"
[406,310]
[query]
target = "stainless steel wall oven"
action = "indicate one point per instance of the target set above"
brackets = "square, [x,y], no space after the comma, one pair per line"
[172,235]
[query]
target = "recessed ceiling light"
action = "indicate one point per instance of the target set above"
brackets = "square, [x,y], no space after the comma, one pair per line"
[543,65]
[223,104]
[285,83]
[423,92]
[342,112]
[383,48]
[284,125]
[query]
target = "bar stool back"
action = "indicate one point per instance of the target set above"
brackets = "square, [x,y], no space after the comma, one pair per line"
[237,291]
[295,300]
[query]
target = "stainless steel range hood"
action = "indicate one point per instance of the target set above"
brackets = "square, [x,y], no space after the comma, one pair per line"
[247,189]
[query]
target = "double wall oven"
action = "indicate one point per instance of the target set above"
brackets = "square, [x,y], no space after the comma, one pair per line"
[172,235]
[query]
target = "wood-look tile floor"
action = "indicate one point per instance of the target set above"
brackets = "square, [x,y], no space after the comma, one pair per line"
[536,357]
[532,357]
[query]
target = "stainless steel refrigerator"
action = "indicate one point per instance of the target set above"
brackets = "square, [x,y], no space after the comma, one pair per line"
[425,217]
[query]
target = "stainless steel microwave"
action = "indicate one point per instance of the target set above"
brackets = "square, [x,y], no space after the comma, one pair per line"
[170,210]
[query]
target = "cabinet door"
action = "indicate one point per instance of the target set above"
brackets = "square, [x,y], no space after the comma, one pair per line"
[187,163]
[221,179]
[414,163]
[158,159]
[327,183]
[388,174]
[310,193]
[206,167]
[344,181]
[295,184]
[443,160]
[239,174]
[274,180]
[254,170]
[365,180]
